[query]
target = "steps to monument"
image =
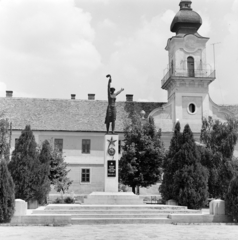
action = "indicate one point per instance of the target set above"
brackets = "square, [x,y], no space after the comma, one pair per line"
[114,201]
[83,221]
[115,214]
[113,198]
[144,207]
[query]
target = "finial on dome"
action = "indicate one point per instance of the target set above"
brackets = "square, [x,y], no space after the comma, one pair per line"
[186,20]
[185,5]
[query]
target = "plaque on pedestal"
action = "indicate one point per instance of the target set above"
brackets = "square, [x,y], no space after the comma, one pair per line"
[111,163]
[111,168]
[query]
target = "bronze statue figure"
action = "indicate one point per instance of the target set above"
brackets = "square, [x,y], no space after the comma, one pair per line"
[111,108]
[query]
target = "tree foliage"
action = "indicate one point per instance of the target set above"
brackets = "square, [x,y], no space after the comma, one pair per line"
[29,174]
[220,140]
[58,172]
[5,139]
[218,136]
[169,165]
[231,199]
[185,179]
[7,196]
[143,152]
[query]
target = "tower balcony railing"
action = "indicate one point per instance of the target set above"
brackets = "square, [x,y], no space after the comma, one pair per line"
[198,73]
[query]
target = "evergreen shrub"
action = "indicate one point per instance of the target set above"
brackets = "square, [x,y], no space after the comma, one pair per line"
[69,200]
[60,200]
[7,195]
[231,199]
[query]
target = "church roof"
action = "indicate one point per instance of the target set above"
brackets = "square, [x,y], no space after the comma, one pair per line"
[68,115]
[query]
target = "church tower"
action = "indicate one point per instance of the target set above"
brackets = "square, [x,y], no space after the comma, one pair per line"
[188,77]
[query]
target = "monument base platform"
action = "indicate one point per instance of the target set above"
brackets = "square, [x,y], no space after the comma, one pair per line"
[113,198]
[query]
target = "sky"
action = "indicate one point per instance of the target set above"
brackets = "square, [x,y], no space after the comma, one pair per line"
[55,48]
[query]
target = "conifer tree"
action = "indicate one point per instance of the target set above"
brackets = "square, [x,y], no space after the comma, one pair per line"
[22,164]
[29,171]
[7,196]
[170,165]
[190,179]
[41,182]
[140,165]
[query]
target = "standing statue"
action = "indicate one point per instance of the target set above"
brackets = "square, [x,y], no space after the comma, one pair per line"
[111,108]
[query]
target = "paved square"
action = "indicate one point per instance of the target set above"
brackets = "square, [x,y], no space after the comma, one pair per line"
[121,231]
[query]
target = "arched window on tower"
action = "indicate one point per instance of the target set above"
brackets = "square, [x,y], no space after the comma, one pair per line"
[190,63]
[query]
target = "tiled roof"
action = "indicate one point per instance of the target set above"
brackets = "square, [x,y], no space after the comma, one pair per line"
[67,115]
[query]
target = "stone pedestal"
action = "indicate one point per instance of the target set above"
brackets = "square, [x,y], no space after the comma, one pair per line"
[20,207]
[33,204]
[113,198]
[217,207]
[171,202]
[111,163]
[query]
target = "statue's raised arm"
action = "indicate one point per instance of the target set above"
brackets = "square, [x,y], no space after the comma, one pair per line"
[111,108]
[109,86]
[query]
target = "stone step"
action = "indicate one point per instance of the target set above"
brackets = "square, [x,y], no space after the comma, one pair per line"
[112,212]
[84,221]
[113,196]
[113,207]
[111,201]
[131,216]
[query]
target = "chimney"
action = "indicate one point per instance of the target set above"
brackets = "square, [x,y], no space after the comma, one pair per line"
[129,97]
[9,93]
[73,96]
[91,96]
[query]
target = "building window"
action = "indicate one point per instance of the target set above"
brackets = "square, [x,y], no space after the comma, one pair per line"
[192,108]
[85,175]
[58,143]
[190,63]
[86,145]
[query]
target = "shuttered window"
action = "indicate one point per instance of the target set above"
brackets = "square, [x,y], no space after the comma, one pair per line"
[86,144]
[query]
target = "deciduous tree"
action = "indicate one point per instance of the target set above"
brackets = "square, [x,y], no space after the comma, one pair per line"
[58,172]
[220,139]
[143,153]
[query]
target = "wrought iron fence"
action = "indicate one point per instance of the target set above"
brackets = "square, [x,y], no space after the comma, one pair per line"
[199,73]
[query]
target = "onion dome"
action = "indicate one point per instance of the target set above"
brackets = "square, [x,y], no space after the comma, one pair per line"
[186,20]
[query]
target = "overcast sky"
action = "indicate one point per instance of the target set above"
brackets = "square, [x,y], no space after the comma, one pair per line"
[52,48]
